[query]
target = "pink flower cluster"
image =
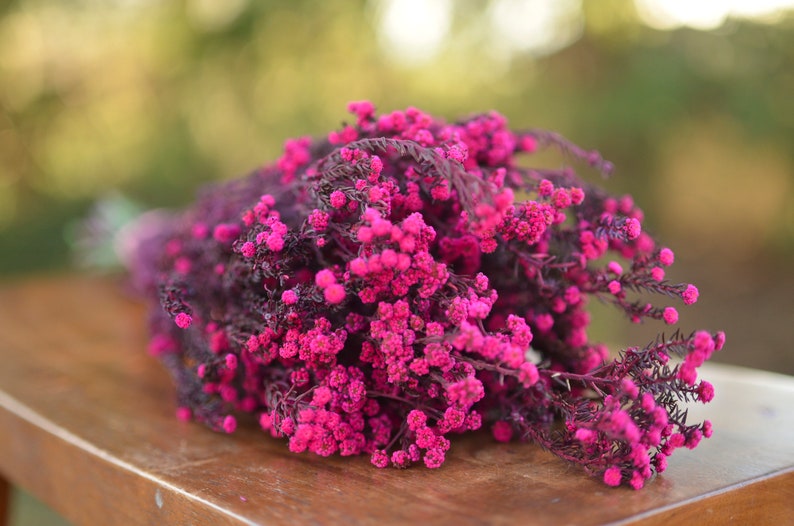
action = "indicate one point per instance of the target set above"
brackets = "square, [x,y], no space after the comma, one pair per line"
[379,290]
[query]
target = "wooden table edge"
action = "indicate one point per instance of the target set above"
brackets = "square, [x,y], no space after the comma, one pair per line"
[726,504]
[151,497]
[65,440]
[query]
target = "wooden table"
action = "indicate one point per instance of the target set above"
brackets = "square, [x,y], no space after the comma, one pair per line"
[87,425]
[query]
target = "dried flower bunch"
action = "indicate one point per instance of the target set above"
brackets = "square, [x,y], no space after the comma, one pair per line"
[383,289]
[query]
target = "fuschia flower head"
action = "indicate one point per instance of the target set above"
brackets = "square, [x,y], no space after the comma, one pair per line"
[402,280]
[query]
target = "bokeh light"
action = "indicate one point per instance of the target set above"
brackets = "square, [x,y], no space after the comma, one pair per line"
[150,100]
[708,14]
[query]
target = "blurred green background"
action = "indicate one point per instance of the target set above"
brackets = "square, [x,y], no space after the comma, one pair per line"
[152,99]
[693,101]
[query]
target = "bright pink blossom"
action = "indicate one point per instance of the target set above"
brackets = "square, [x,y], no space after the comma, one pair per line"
[666,257]
[690,294]
[289,297]
[657,273]
[670,316]
[705,391]
[324,278]
[403,279]
[248,249]
[612,476]
[229,424]
[183,320]
[334,293]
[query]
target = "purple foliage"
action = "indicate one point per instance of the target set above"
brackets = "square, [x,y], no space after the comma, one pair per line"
[385,288]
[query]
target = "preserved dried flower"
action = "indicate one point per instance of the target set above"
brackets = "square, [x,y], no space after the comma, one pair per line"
[382,289]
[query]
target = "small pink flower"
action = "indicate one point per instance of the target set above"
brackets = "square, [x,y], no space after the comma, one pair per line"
[364,234]
[433,458]
[379,458]
[693,439]
[690,295]
[231,361]
[637,480]
[289,297]
[183,320]
[561,198]
[670,316]
[466,392]
[321,396]
[334,293]
[440,192]
[388,258]
[375,165]
[666,257]
[660,462]
[613,476]
[630,388]
[577,196]
[363,109]
[226,233]
[324,278]
[184,414]
[182,265]
[488,245]
[248,249]
[544,322]
[252,344]
[586,436]
[375,194]
[528,143]
[458,152]
[275,242]
[657,273]
[677,440]
[416,419]
[705,391]
[707,429]
[338,199]
[400,459]
[648,403]
[687,373]
[704,344]
[719,341]
[528,374]
[381,227]
[572,295]
[358,267]
[229,424]
[633,228]
[614,287]
[318,220]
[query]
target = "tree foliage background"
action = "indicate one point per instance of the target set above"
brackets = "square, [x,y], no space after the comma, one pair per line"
[153,99]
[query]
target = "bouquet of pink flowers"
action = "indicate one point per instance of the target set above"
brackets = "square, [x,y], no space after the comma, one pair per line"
[404,280]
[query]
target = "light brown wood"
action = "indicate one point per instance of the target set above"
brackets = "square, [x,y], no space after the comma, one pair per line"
[87,425]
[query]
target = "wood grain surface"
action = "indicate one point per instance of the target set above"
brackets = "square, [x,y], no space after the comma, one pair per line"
[87,424]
